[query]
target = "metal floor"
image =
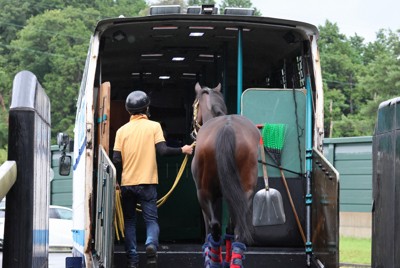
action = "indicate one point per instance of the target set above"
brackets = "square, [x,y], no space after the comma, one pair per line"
[190,255]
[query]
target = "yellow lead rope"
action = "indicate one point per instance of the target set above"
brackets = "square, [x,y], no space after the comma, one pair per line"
[119,216]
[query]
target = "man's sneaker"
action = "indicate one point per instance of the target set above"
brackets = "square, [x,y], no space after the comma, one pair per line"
[151,255]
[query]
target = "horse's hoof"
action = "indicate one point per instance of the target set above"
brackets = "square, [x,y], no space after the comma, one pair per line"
[226,264]
[238,250]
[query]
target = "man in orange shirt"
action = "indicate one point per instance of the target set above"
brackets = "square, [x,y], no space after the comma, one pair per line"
[135,148]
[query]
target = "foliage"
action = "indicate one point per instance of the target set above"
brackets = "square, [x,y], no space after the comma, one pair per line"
[3,127]
[50,38]
[127,8]
[3,155]
[357,77]
[53,46]
[15,13]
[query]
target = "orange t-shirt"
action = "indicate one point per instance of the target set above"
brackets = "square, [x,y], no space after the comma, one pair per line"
[136,141]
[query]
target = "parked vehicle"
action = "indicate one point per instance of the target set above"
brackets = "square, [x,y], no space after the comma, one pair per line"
[270,72]
[60,227]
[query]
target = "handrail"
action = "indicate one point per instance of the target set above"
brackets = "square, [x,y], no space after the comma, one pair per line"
[8,176]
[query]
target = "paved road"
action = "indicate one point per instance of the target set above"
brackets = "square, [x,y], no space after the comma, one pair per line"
[56,260]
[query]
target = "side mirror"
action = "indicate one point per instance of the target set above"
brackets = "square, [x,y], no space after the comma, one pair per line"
[65,160]
[65,165]
[62,140]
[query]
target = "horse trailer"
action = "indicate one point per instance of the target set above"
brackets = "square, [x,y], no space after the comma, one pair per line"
[385,186]
[269,71]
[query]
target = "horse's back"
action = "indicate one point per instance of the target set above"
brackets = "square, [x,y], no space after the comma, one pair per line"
[247,134]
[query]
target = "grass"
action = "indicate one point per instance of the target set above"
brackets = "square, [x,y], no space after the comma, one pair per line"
[355,250]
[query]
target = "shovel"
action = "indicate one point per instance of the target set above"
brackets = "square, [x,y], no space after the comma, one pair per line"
[267,203]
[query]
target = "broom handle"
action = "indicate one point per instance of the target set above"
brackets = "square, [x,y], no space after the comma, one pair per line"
[264,165]
[293,207]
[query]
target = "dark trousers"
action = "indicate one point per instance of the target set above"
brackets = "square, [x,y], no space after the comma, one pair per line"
[146,196]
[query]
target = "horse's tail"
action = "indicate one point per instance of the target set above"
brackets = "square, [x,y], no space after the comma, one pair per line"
[230,181]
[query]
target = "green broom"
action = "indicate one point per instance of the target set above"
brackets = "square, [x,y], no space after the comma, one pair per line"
[273,136]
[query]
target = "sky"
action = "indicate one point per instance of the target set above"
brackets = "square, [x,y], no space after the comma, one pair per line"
[364,17]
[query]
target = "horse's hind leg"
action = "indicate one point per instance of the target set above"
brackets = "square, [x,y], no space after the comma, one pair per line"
[229,238]
[212,247]
[238,249]
[234,250]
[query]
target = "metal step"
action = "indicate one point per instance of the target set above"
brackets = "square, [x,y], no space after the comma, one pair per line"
[190,255]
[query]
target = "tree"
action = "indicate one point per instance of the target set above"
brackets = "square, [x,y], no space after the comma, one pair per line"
[381,79]
[50,38]
[340,61]
[115,8]
[358,75]
[53,46]
[15,13]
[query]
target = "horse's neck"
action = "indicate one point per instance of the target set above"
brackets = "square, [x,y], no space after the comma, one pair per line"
[207,116]
[212,107]
[218,110]
[213,113]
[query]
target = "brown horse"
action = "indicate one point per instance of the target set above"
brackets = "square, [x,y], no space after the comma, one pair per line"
[224,166]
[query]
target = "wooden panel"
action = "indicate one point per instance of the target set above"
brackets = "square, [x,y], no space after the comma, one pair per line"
[103,116]
[120,117]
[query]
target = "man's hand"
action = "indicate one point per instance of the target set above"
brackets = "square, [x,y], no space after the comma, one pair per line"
[187,149]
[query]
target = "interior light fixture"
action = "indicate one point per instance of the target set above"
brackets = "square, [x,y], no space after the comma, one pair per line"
[178,58]
[152,55]
[196,34]
[206,55]
[164,77]
[165,28]
[189,76]
[236,29]
[201,28]
[137,74]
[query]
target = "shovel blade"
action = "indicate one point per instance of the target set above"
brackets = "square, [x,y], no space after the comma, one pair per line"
[268,208]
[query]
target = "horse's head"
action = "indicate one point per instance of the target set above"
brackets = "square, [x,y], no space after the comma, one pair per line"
[209,103]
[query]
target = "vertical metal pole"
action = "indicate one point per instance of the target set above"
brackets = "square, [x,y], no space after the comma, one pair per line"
[239,71]
[225,73]
[309,132]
